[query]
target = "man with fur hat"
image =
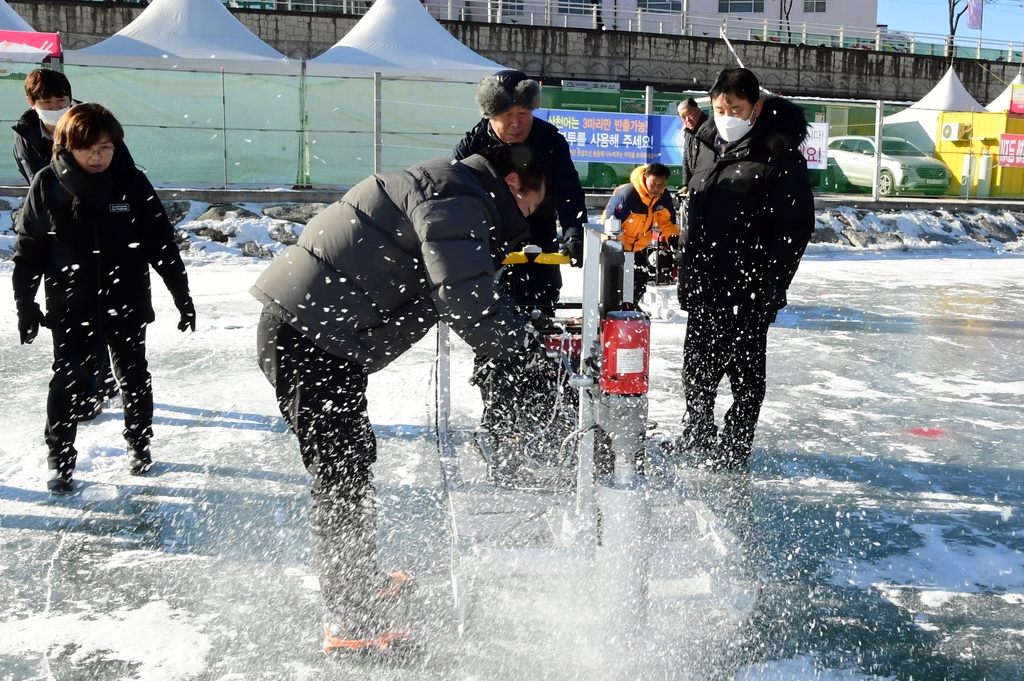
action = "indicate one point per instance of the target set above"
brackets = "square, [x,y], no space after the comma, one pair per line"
[507,100]
[751,214]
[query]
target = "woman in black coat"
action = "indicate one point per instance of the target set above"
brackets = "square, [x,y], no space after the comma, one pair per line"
[91,227]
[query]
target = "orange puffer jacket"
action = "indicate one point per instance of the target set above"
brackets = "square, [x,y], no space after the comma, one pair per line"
[641,213]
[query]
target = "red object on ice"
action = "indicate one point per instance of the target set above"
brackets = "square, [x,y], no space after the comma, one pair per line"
[927,432]
[626,336]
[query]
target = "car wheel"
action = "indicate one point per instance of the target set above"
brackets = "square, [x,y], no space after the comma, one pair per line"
[828,180]
[832,180]
[886,185]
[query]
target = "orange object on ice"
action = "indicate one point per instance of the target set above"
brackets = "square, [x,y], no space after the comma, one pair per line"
[927,432]
[398,581]
[380,642]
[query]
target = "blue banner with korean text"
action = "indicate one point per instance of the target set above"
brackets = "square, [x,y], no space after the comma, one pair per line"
[618,138]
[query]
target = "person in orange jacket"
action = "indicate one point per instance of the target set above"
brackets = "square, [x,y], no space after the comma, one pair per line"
[642,206]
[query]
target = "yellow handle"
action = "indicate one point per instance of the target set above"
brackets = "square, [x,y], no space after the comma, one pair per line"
[519,257]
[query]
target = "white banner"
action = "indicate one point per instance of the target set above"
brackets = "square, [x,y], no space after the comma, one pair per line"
[815,146]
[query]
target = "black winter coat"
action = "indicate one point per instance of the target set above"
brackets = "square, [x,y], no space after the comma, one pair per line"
[691,146]
[564,197]
[751,214]
[400,251]
[92,238]
[32,151]
[531,283]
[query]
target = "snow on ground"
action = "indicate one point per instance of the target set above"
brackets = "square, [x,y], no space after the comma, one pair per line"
[882,510]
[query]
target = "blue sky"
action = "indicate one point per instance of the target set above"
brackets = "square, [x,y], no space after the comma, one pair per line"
[1004,20]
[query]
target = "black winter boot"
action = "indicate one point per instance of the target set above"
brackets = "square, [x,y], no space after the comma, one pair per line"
[60,481]
[61,463]
[139,458]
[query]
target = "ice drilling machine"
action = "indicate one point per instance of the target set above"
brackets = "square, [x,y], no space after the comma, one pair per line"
[600,499]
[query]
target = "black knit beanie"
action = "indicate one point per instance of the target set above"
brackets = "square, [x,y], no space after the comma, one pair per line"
[498,93]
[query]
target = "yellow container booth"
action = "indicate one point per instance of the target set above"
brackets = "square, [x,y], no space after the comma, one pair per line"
[968,143]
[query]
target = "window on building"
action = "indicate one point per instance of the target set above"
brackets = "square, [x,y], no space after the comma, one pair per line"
[512,8]
[741,6]
[660,5]
[811,6]
[574,7]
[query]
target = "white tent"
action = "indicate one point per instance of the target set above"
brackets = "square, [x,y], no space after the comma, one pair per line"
[1002,102]
[11,20]
[918,124]
[399,38]
[200,35]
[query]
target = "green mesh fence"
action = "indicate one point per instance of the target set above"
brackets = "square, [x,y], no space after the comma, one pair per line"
[212,129]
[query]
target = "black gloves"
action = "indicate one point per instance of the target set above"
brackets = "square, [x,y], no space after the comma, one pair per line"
[574,249]
[536,360]
[188,314]
[30,318]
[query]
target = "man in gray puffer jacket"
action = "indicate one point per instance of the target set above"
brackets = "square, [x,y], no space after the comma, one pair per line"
[368,278]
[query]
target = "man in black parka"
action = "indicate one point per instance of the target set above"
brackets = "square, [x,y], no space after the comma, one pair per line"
[507,100]
[369,276]
[693,118]
[751,214]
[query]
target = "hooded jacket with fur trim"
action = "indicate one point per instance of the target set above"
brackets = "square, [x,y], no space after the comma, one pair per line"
[751,214]
[641,213]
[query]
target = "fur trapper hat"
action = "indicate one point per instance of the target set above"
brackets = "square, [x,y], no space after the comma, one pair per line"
[498,93]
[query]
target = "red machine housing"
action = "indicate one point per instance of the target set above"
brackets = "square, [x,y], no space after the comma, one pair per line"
[625,362]
[571,345]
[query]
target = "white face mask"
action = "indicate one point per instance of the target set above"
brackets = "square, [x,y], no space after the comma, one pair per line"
[51,117]
[733,129]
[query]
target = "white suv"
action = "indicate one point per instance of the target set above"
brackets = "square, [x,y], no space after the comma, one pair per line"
[905,168]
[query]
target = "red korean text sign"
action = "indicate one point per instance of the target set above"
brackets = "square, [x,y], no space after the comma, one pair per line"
[1011,151]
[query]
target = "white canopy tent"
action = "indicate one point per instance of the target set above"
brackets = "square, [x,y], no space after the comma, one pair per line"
[399,39]
[194,35]
[203,100]
[424,69]
[918,123]
[1001,103]
[11,20]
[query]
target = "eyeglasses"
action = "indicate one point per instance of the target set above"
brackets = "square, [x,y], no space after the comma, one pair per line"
[105,150]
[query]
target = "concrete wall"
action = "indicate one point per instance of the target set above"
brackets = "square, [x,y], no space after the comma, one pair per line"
[634,59]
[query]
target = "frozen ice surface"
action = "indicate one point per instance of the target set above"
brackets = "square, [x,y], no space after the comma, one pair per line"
[882,509]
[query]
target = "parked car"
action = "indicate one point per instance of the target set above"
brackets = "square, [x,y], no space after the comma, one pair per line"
[905,168]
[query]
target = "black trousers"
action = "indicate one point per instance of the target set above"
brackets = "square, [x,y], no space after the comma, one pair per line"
[323,399]
[719,343]
[78,353]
